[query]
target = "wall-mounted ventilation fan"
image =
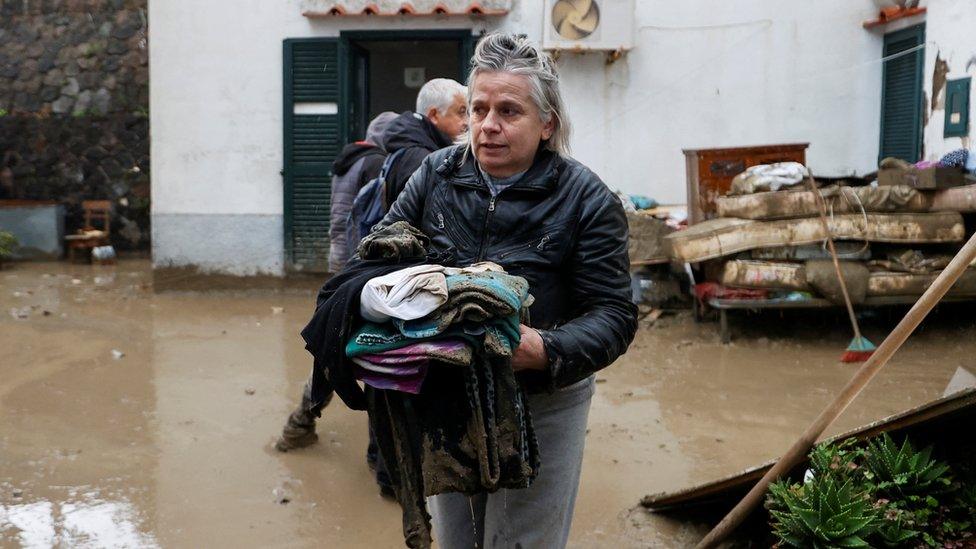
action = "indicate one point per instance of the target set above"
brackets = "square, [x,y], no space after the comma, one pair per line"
[582,25]
[575,19]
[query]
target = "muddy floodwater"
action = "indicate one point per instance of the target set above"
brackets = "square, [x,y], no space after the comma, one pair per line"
[130,418]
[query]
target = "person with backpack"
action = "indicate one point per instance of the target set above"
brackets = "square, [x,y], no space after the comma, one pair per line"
[357,164]
[407,139]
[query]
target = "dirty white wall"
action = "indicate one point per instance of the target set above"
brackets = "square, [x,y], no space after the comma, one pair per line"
[216,128]
[716,74]
[949,37]
[704,73]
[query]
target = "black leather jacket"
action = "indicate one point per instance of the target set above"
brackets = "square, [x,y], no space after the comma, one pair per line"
[560,227]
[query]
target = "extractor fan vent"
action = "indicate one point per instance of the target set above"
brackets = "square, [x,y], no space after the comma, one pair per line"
[588,25]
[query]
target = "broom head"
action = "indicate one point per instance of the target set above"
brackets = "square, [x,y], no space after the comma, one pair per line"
[859,350]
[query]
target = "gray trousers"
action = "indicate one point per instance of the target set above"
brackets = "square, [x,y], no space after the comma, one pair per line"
[540,515]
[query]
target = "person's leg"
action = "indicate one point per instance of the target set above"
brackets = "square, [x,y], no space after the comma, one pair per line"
[540,516]
[458,520]
[299,430]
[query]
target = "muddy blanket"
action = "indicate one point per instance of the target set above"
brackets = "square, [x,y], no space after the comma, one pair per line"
[803,203]
[335,319]
[468,430]
[399,240]
[726,236]
[792,276]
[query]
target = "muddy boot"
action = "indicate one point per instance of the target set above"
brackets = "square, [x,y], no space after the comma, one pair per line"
[299,431]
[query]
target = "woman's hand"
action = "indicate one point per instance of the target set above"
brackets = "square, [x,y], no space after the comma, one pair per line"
[531,352]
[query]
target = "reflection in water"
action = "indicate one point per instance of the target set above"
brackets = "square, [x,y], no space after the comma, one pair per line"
[88,523]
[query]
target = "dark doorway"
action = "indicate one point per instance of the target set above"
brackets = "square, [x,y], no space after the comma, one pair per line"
[387,69]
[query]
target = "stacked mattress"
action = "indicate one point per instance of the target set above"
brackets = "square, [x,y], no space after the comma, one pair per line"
[766,240]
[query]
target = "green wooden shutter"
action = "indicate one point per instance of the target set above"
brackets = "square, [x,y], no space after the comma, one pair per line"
[901,95]
[311,143]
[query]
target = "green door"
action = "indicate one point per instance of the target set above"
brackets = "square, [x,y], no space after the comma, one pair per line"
[326,98]
[313,137]
[901,94]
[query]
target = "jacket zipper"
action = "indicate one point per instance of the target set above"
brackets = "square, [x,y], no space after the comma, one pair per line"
[440,220]
[484,229]
[542,243]
[522,247]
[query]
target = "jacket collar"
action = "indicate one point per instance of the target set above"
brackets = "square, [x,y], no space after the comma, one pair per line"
[459,169]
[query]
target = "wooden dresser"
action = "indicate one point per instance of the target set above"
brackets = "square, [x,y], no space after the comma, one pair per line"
[710,171]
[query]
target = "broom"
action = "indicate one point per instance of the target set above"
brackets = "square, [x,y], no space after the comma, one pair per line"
[860,348]
[858,381]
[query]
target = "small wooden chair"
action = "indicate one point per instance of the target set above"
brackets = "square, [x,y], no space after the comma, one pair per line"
[90,236]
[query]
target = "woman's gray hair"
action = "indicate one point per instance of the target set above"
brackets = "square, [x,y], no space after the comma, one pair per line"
[502,52]
[439,94]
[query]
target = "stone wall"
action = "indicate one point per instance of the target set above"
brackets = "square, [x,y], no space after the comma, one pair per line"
[74,100]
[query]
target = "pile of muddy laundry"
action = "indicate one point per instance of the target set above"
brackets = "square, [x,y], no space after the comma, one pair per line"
[894,234]
[432,344]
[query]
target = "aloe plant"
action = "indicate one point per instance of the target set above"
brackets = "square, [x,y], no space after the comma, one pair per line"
[836,459]
[901,471]
[895,530]
[822,513]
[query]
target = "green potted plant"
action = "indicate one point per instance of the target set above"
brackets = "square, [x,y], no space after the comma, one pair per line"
[8,243]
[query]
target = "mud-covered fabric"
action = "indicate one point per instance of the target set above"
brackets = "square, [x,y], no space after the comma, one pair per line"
[459,423]
[393,243]
[336,315]
[468,431]
[539,516]
[335,319]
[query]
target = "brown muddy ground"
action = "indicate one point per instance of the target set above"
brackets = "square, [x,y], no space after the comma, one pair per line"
[168,443]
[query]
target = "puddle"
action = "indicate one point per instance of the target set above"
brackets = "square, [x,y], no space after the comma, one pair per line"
[86,523]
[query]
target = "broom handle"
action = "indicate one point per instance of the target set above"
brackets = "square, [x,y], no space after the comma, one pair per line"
[822,210]
[864,374]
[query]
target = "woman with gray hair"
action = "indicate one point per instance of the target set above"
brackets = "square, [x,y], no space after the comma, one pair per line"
[512,195]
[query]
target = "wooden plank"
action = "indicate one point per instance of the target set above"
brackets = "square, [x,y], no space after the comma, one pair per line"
[961,405]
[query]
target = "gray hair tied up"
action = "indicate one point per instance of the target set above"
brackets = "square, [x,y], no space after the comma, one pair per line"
[501,52]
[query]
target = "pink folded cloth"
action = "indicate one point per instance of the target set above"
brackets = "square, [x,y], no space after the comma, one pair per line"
[409,384]
[405,368]
[452,351]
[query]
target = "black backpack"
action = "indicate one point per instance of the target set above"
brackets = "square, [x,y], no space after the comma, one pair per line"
[370,205]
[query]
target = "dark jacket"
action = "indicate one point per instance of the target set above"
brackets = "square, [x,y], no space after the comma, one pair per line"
[418,137]
[560,227]
[355,166]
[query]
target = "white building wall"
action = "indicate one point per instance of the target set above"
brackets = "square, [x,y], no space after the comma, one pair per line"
[703,73]
[722,74]
[949,36]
